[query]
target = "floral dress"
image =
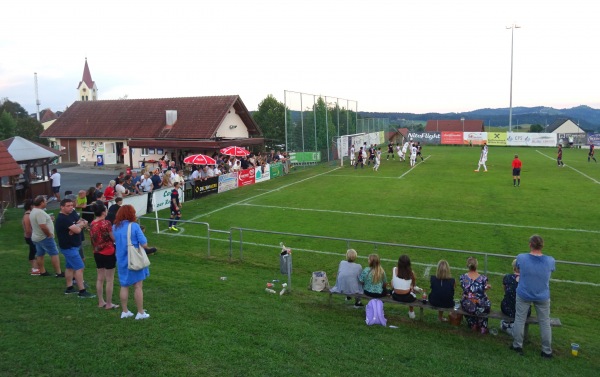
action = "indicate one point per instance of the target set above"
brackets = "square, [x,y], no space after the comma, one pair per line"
[510,295]
[474,300]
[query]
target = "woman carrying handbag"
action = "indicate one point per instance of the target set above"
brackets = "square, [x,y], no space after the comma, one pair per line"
[127,277]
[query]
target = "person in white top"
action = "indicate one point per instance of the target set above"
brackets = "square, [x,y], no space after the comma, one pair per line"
[55,178]
[196,175]
[146,183]
[120,191]
[413,155]
[352,156]
[377,159]
[210,172]
[404,150]
[403,283]
[483,158]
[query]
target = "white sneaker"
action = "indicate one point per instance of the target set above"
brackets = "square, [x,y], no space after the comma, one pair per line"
[126,315]
[411,315]
[141,316]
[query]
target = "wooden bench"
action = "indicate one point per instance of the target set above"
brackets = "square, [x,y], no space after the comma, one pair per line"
[555,322]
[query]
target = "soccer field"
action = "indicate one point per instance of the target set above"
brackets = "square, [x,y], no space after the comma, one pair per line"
[439,209]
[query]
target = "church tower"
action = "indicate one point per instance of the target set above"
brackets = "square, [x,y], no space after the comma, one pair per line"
[87,87]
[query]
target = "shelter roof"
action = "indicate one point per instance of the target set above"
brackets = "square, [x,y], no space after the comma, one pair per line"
[8,165]
[24,150]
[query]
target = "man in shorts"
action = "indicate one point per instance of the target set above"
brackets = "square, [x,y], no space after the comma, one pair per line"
[55,178]
[390,151]
[175,208]
[516,165]
[68,230]
[352,155]
[42,236]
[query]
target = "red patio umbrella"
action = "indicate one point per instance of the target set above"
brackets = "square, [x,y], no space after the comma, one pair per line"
[235,151]
[199,159]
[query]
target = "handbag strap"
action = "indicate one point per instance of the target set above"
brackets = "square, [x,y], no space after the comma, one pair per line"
[129,235]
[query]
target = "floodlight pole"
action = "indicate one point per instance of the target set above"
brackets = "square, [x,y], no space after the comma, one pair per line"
[512,39]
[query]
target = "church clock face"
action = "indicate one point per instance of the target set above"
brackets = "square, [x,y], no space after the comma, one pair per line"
[84,89]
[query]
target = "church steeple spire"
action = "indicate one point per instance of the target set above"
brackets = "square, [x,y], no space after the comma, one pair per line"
[87,87]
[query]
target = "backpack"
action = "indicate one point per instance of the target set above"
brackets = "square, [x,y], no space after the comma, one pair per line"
[375,314]
[318,281]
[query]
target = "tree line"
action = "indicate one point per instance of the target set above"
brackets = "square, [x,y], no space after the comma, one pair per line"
[15,121]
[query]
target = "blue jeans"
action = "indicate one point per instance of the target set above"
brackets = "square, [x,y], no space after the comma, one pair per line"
[542,309]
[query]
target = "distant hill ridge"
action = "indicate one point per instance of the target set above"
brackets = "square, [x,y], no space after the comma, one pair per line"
[587,117]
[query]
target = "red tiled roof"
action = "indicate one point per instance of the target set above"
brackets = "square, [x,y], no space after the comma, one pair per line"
[47,115]
[197,118]
[87,76]
[8,165]
[470,125]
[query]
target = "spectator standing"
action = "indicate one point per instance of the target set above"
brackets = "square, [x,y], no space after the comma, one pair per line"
[103,242]
[112,211]
[27,231]
[109,193]
[68,228]
[534,288]
[55,178]
[42,236]
[127,277]
[156,180]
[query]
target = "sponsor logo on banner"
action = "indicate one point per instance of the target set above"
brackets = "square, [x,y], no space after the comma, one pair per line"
[276,170]
[531,139]
[594,139]
[228,182]
[497,138]
[246,177]
[162,198]
[475,138]
[452,137]
[425,137]
[262,173]
[207,186]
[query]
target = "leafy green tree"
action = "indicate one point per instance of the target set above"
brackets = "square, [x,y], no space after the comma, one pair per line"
[536,128]
[30,129]
[8,125]
[270,117]
[13,108]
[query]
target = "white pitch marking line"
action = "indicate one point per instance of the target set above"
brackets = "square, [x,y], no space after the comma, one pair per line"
[411,169]
[425,219]
[570,167]
[259,195]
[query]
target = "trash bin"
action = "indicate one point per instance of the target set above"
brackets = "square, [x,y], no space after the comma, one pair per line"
[100,160]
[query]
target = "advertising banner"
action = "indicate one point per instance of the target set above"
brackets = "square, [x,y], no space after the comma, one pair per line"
[228,182]
[205,187]
[497,138]
[425,137]
[276,170]
[300,157]
[452,137]
[139,202]
[475,138]
[593,139]
[531,139]
[246,177]
[262,173]
[161,198]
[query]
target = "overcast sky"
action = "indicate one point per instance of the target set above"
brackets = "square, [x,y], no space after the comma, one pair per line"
[396,56]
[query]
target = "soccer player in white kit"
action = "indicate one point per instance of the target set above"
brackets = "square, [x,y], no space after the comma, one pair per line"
[483,158]
[413,155]
[377,159]
[352,155]
[404,149]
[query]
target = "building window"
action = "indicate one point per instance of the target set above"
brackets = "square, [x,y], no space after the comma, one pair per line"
[144,152]
[83,98]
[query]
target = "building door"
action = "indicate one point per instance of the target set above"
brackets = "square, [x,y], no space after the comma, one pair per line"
[69,146]
[110,153]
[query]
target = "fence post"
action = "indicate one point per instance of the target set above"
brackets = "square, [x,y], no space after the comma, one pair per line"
[241,243]
[289,272]
[208,237]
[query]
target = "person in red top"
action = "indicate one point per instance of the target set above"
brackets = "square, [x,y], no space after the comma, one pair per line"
[103,242]
[516,165]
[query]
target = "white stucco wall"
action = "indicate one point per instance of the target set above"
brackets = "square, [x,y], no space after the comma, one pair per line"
[232,126]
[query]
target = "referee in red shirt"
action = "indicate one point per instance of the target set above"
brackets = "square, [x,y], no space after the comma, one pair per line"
[516,165]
